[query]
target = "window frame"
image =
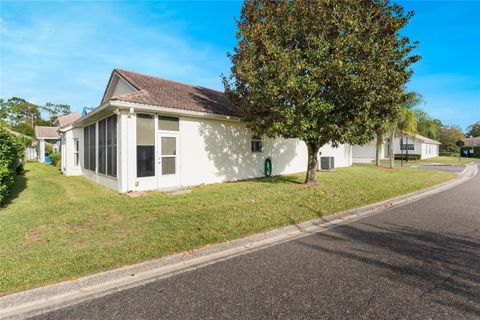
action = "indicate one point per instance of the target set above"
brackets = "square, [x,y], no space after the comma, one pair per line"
[76,152]
[159,118]
[255,142]
[111,148]
[151,147]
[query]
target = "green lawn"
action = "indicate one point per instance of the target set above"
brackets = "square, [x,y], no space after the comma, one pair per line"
[442,160]
[57,227]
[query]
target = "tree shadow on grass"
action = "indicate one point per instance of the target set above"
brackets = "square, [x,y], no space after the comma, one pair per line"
[444,266]
[279,180]
[18,187]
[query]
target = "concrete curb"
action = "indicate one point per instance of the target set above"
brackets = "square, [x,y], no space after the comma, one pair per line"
[40,300]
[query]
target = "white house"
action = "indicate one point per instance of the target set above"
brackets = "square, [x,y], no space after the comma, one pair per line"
[44,134]
[415,143]
[366,153]
[151,133]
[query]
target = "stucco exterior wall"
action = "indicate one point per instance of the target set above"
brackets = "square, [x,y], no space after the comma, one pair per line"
[217,151]
[209,151]
[69,168]
[369,150]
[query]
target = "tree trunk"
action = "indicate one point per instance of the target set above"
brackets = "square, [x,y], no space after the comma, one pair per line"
[378,146]
[312,163]
[392,150]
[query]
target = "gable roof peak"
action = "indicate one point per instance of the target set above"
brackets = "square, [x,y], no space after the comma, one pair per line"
[160,92]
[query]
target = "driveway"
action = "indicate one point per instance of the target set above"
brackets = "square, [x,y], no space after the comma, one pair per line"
[417,261]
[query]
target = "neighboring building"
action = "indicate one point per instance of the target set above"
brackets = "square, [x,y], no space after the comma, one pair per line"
[415,143]
[151,133]
[44,134]
[366,153]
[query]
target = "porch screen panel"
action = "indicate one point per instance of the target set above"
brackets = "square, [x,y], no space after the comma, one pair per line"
[145,145]
[91,147]
[112,146]
[86,159]
[102,145]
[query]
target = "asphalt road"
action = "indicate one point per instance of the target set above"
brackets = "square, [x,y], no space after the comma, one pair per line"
[417,261]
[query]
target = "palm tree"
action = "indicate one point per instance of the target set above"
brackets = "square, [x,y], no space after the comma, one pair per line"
[405,122]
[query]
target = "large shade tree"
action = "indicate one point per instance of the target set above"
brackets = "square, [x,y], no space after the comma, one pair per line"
[474,130]
[320,71]
[22,115]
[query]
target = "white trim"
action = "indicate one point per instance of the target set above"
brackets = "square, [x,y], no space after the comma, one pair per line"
[171,111]
[109,90]
[155,109]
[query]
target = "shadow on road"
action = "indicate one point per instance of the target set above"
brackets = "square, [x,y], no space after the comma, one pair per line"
[450,263]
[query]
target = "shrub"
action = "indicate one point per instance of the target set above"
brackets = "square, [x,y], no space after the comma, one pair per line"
[11,153]
[56,157]
[410,156]
[475,154]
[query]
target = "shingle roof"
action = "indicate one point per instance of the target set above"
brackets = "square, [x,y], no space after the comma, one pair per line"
[46,132]
[472,142]
[424,139]
[68,119]
[171,94]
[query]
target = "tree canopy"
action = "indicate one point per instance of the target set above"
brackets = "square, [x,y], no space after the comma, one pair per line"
[426,125]
[22,116]
[474,130]
[448,136]
[320,71]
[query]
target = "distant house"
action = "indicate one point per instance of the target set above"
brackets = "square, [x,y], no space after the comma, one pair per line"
[472,142]
[150,133]
[366,153]
[411,143]
[417,144]
[45,133]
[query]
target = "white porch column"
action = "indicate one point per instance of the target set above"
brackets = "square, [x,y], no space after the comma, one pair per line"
[41,150]
[126,144]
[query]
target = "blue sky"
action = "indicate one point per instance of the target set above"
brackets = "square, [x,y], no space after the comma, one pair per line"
[63,52]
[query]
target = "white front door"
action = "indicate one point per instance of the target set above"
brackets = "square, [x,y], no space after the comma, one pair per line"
[167,155]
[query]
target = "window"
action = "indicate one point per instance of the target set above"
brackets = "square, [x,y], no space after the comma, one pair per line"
[89,147]
[169,153]
[145,145]
[112,146]
[92,147]
[256,144]
[107,147]
[167,123]
[86,161]
[76,152]
[409,146]
[102,141]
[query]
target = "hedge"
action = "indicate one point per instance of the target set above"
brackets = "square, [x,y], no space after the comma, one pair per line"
[11,153]
[475,154]
[410,156]
[448,154]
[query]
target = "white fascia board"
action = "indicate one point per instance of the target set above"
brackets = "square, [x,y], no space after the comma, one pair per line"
[171,111]
[65,129]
